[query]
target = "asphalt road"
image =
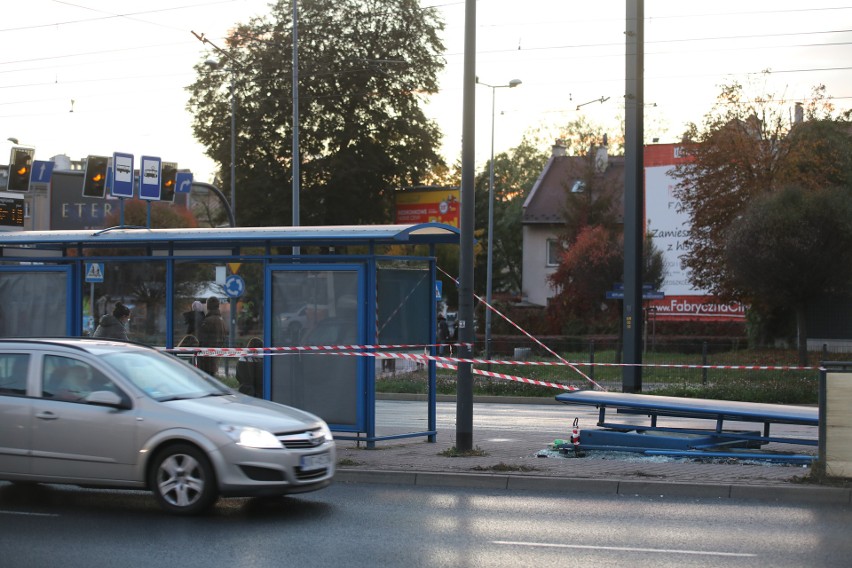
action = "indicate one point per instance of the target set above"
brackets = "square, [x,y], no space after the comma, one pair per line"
[356,525]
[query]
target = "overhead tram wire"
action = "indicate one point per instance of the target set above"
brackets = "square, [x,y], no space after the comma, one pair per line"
[113,15]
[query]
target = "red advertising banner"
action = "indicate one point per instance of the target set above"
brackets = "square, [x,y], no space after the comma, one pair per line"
[673,308]
[433,205]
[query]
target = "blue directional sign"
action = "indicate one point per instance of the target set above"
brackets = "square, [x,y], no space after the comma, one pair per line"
[620,286]
[646,295]
[183,182]
[122,175]
[234,286]
[42,171]
[150,169]
[439,289]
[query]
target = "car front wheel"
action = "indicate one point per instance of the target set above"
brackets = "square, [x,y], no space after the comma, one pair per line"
[183,480]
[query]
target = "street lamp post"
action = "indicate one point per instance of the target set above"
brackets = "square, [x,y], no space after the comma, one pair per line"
[490,266]
[213,64]
[233,149]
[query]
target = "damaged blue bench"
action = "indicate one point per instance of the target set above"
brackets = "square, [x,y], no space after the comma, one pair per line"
[717,441]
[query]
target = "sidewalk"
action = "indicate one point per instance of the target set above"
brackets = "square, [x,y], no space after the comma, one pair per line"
[512,442]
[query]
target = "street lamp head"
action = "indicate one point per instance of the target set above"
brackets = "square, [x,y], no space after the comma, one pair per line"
[212,63]
[13,140]
[514,83]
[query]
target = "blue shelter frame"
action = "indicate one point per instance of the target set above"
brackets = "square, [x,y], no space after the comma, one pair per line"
[345,289]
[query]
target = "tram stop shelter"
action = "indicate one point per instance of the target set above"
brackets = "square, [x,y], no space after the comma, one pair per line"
[363,287]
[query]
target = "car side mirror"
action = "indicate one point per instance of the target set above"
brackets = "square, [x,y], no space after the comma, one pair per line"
[105,398]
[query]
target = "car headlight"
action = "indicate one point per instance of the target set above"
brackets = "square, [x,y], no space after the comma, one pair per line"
[252,437]
[326,433]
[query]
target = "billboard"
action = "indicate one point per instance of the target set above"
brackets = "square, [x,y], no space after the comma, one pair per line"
[669,229]
[428,205]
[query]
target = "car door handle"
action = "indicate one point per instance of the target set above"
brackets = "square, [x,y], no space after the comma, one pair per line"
[47,416]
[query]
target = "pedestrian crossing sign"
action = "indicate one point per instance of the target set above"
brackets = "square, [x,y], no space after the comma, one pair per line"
[94,272]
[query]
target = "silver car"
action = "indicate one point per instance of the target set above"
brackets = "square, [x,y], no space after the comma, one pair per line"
[110,414]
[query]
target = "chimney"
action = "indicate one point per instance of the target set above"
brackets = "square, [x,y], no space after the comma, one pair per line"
[799,114]
[558,149]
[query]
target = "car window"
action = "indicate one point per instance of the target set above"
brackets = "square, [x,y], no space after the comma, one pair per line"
[14,368]
[72,380]
[163,376]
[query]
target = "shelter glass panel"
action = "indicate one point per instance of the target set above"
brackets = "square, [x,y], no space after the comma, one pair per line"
[34,303]
[404,302]
[317,308]
[139,285]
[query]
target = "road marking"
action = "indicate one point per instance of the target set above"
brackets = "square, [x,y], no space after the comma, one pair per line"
[2,512]
[624,548]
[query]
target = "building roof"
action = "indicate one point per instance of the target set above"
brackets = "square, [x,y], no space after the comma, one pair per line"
[545,203]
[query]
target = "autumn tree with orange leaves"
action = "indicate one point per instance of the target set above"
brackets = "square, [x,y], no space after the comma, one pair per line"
[747,149]
[593,260]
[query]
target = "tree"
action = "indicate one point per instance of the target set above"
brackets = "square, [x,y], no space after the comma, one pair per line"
[790,248]
[163,215]
[515,173]
[587,270]
[746,148]
[592,199]
[365,68]
[593,263]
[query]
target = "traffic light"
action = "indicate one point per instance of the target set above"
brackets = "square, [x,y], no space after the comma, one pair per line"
[167,181]
[20,169]
[94,182]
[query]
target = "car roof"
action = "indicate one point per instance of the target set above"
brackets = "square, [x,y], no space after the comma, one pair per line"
[95,346]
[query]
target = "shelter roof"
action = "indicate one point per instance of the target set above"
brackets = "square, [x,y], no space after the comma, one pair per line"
[337,235]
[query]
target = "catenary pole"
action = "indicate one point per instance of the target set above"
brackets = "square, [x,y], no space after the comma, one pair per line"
[634,196]
[464,383]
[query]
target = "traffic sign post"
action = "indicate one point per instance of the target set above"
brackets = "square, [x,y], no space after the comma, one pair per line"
[94,272]
[235,286]
[42,172]
[149,178]
[648,294]
[183,182]
[122,175]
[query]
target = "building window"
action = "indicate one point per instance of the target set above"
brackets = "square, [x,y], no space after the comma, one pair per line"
[554,252]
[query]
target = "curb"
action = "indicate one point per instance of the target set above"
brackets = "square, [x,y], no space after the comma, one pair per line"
[777,493]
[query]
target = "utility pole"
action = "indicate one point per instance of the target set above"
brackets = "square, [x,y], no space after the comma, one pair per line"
[634,196]
[464,383]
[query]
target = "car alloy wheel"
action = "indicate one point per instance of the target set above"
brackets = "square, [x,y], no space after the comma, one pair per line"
[183,480]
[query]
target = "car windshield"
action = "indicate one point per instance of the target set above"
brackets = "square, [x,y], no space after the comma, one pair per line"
[164,377]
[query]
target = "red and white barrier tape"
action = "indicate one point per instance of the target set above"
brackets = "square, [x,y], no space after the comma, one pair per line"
[511,378]
[354,350]
[241,351]
[522,330]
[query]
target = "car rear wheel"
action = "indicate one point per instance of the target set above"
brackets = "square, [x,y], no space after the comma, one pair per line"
[183,481]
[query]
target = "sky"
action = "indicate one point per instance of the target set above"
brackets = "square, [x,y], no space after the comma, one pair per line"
[101,76]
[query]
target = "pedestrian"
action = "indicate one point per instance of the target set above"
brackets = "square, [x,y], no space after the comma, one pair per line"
[211,333]
[443,332]
[193,318]
[113,326]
